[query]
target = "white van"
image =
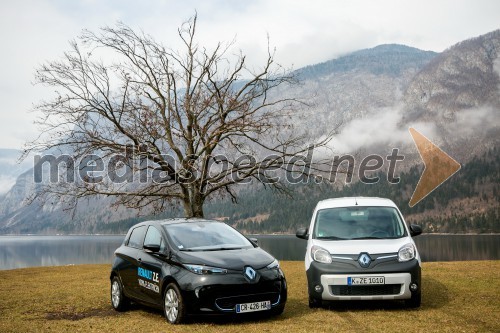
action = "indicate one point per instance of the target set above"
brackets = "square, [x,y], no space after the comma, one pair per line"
[361,249]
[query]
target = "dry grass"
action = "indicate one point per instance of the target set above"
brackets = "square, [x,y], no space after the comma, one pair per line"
[458,296]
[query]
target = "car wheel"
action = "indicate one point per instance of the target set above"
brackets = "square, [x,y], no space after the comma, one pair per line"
[174,308]
[414,301]
[118,299]
[314,302]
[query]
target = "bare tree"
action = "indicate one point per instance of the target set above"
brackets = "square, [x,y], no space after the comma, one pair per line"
[200,118]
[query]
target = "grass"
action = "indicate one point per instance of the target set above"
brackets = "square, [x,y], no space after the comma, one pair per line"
[457,297]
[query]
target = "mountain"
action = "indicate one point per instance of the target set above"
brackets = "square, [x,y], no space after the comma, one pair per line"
[458,92]
[464,76]
[10,169]
[357,84]
[387,59]
[371,97]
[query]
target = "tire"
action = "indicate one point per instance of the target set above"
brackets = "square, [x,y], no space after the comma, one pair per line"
[118,299]
[173,304]
[314,303]
[414,301]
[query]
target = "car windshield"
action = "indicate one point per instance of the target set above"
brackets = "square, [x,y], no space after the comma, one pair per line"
[205,236]
[348,223]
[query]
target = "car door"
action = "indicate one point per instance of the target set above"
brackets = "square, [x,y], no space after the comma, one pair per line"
[129,254]
[150,266]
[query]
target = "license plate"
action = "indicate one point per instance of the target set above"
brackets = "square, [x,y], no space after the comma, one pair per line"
[365,280]
[253,307]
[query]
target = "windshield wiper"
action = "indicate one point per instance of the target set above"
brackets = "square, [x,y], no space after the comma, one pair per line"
[332,237]
[211,249]
[223,248]
[370,237]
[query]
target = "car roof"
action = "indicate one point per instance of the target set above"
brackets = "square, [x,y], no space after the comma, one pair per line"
[355,201]
[172,221]
[183,220]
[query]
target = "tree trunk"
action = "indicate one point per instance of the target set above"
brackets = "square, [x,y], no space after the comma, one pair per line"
[193,204]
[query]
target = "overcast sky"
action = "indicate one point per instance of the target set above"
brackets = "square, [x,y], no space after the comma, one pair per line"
[304,32]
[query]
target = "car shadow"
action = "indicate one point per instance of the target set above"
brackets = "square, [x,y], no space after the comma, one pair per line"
[435,295]
[230,319]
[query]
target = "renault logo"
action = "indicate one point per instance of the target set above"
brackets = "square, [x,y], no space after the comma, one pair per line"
[250,273]
[364,260]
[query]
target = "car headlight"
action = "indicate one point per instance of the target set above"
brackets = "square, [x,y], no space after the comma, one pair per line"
[406,252]
[321,255]
[274,265]
[201,270]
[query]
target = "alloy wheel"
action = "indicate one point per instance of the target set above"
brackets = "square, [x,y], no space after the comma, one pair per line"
[171,305]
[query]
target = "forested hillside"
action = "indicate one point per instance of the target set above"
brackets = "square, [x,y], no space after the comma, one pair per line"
[467,203]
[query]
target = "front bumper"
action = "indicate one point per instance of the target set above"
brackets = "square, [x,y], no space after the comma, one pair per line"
[333,279]
[219,294]
[335,287]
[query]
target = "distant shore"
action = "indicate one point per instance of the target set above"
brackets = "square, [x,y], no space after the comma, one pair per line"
[272,234]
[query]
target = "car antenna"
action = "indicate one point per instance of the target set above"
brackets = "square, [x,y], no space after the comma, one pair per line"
[356,200]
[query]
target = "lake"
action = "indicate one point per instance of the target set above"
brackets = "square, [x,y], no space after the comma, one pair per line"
[29,251]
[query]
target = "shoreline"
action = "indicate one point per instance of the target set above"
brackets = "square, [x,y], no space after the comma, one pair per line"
[272,234]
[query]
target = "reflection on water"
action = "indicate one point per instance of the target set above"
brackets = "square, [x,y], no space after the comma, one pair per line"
[458,247]
[283,247]
[431,247]
[27,251]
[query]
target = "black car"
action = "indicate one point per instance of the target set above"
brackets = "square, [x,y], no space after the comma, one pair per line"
[195,266]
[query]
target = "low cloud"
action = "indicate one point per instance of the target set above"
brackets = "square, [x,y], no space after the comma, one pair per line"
[381,128]
[6,183]
[474,122]
[384,128]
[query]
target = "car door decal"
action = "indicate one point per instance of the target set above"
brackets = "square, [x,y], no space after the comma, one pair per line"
[152,277]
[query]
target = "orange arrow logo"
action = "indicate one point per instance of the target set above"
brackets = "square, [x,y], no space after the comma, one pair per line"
[439,166]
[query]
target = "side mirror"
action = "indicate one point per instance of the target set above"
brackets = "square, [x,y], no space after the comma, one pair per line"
[302,233]
[255,241]
[415,230]
[154,248]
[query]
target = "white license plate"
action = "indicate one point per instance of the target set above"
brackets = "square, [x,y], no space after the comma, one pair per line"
[365,280]
[253,307]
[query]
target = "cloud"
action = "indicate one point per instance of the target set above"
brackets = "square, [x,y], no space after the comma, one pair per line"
[6,183]
[381,127]
[474,122]
[34,31]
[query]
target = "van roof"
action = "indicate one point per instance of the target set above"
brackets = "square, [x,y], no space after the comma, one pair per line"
[355,201]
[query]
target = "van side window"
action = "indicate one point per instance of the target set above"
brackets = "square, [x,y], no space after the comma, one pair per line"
[136,237]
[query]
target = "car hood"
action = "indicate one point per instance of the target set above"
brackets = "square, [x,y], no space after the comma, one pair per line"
[229,259]
[372,246]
